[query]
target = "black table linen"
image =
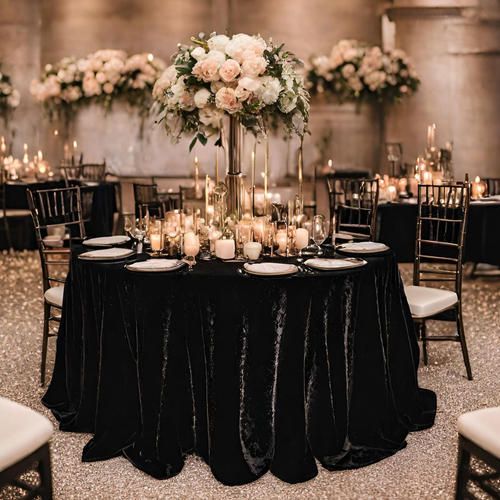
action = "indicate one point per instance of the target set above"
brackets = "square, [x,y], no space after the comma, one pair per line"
[397,223]
[252,374]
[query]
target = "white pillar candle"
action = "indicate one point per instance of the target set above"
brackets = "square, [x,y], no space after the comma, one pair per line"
[155,242]
[301,238]
[213,236]
[224,249]
[251,250]
[281,239]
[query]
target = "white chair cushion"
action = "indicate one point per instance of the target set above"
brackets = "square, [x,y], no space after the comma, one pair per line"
[482,427]
[53,241]
[22,431]
[54,296]
[426,301]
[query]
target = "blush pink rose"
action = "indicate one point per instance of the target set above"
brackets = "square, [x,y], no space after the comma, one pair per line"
[207,70]
[226,99]
[229,70]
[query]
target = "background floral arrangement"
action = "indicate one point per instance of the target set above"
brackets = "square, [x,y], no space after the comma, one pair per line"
[9,96]
[243,76]
[356,71]
[102,77]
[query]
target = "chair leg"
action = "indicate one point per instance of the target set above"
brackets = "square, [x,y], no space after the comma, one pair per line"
[463,343]
[423,334]
[45,339]
[472,274]
[463,471]
[8,237]
[45,471]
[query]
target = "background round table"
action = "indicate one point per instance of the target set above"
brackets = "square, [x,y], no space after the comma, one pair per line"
[397,225]
[250,373]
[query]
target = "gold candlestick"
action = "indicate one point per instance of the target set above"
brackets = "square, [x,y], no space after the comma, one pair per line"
[217,166]
[300,170]
[254,153]
[207,184]
[266,174]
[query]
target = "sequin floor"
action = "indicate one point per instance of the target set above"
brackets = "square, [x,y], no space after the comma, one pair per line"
[424,469]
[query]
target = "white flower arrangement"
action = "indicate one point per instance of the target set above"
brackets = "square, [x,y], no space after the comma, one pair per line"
[9,96]
[103,76]
[243,76]
[356,71]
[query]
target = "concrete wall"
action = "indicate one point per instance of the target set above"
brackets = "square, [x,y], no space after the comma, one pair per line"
[456,48]
[454,43]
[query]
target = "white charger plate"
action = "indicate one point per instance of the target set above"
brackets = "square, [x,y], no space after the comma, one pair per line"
[106,241]
[107,254]
[363,247]
[270,269]
[156,265]
[334,264]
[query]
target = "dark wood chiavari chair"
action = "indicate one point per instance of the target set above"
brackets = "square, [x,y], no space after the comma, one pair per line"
[147,195]
[492,186]
[54,208]
[85,172]
[354,203]
[439,250]
[8,213]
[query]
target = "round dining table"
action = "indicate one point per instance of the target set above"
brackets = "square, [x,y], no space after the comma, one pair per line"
[251,373]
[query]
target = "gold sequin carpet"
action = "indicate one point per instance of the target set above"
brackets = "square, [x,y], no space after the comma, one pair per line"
[424,469]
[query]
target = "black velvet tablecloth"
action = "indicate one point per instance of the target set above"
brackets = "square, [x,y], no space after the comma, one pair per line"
[21,228]
[252,374]
[397,224]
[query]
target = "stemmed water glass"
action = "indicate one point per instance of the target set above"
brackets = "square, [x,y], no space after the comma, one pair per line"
[319,231]
[139,233]
[191,248]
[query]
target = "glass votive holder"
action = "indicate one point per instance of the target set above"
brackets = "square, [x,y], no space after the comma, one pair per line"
[252,249]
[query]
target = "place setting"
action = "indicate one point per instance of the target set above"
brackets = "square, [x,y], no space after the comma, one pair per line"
[237,256]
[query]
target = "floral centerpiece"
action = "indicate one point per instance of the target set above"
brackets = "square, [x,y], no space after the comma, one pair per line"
[103,77]
[9,96]
[245,77]
[356,71]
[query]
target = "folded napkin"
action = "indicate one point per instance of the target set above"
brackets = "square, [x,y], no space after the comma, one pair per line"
[156,264]
[364,246]
[107,240]
[329,263]
[270,268]
[107,253]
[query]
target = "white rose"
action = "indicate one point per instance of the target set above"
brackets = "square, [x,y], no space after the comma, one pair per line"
[199,53]
[164,82]
[253,67]
[250,84]
[218,42]
[217,55]
[269,89]
[201,98]
[243,46]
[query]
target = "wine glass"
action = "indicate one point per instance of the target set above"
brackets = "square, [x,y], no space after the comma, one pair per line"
[301,241]
[319,231]
[139,233]
[191,248]
[128,224]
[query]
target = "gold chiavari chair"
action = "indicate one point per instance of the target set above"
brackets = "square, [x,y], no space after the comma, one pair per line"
[8,213]
[439,250]
[54,208]
[353,202]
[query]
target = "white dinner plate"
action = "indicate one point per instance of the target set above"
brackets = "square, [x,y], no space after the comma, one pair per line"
[270,269]
[364,247]
[156,265]
[107,254]
[334,264]
[106,241]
